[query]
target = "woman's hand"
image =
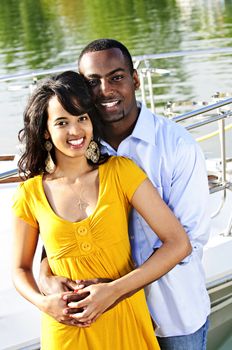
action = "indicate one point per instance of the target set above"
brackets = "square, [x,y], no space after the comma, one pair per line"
[55,305]
[100,297]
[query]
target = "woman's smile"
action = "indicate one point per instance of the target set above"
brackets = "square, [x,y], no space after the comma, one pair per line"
[77,143]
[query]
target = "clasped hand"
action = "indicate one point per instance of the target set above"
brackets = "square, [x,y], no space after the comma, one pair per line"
[95,299]
[72,302]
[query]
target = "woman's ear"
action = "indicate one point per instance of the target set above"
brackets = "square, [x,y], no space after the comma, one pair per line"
[46,135]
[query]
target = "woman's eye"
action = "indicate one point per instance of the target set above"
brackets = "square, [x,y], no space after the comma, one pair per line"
[61,123]
[83,118]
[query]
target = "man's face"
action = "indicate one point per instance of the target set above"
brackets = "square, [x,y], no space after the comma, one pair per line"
[112,84]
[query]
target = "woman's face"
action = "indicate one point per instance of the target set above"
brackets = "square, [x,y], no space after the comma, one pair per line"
[70,134]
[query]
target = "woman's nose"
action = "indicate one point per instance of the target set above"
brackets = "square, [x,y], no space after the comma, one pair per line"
[74,128]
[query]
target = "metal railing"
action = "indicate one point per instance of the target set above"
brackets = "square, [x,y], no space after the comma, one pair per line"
[222,183]
[8,174]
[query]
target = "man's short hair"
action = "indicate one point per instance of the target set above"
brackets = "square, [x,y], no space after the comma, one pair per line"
[106,44]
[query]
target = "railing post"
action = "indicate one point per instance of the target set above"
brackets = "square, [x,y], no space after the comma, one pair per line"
[222,148]
[142,87]
[149,80]
[228,231]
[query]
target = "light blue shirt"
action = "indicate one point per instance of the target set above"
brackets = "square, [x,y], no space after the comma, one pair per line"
[174,162]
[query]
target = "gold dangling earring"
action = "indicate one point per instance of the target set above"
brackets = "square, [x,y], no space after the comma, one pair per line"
[50,165]
[93,152]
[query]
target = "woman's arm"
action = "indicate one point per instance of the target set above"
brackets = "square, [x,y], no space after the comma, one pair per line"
[175,248]
[25,238]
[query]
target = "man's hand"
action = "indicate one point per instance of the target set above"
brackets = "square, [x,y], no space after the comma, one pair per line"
[50,284]
[56,284]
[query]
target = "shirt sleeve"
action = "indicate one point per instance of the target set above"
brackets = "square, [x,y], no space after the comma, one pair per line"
[189,193]
[22,206]
[130,176]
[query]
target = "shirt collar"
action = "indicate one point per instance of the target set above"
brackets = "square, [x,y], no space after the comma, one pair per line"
[144,129]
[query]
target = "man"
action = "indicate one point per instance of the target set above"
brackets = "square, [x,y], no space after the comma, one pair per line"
[178,302]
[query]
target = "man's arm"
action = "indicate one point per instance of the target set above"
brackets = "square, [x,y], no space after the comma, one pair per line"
[50,284]
[189,196]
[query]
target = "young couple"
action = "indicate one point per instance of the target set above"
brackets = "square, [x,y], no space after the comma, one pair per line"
[79,200]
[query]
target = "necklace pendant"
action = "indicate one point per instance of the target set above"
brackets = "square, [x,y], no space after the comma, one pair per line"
[82,205]
[79,204]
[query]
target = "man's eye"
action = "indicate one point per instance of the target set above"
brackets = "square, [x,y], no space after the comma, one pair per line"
[92,82]
[117,77]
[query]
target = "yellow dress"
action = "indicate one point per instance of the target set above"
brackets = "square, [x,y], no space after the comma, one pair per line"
[95,247]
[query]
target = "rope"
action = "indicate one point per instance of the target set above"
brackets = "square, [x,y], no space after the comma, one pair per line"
[208,136]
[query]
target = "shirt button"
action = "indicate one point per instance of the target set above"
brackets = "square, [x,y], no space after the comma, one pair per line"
[82,231]
[86,246]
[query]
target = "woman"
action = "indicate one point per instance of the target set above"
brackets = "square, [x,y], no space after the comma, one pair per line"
[79,202]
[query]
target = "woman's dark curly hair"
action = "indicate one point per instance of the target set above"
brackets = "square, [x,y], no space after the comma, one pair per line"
[73,94]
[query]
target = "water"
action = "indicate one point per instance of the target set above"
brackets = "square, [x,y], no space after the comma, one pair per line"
[42,34]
